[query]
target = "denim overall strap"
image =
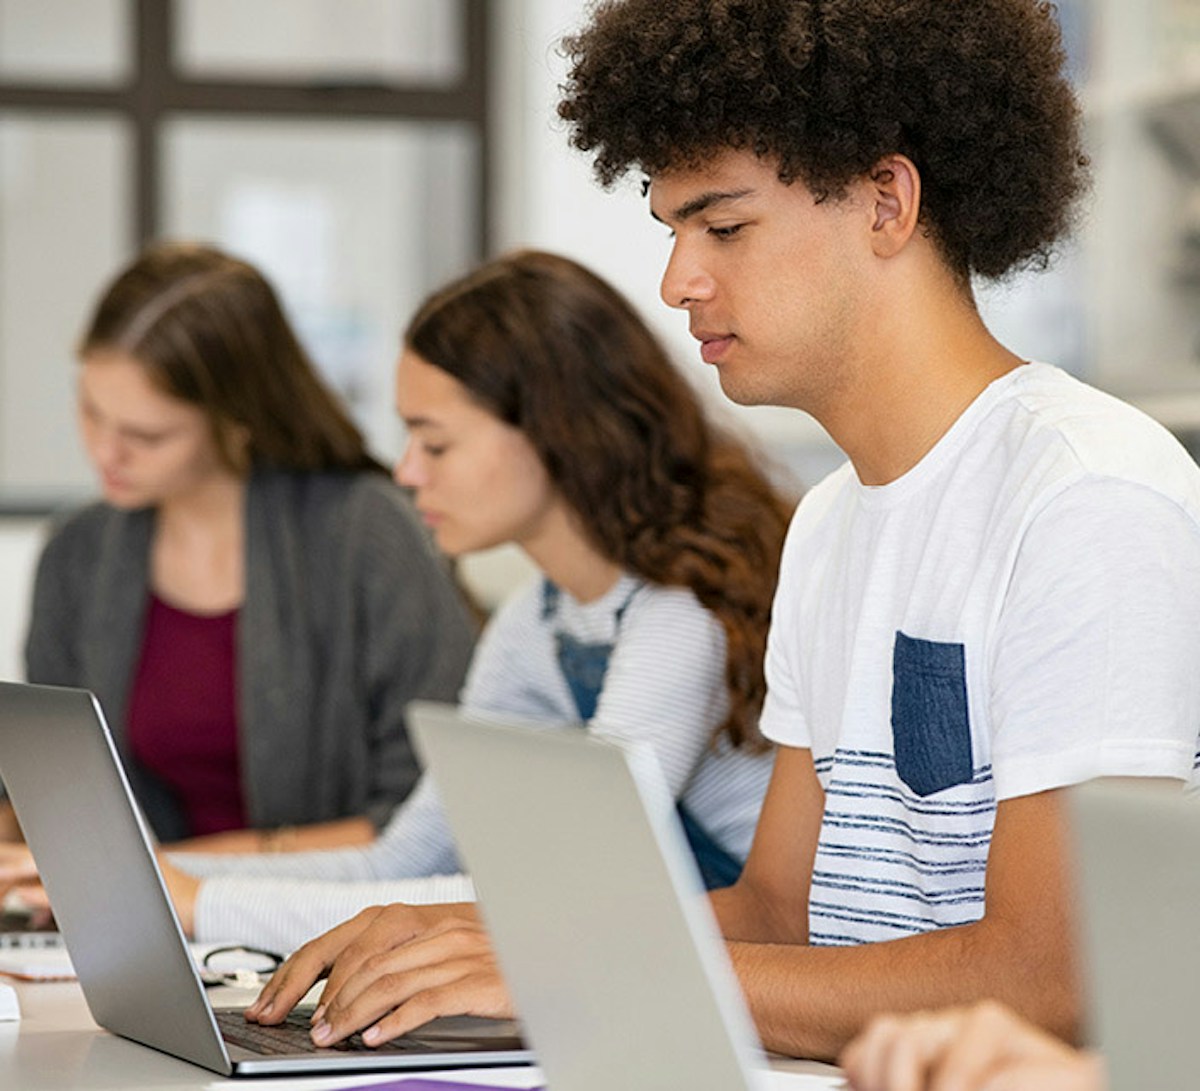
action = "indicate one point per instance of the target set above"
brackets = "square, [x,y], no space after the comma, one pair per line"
[583,665]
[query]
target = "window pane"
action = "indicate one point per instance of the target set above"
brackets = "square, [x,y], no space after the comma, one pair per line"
[65,41]
[64,229]
[388,41]
[354,222]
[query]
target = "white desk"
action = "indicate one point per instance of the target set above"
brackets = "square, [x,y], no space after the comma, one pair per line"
[56,1047]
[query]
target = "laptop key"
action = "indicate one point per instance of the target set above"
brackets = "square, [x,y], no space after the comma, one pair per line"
[292,1036]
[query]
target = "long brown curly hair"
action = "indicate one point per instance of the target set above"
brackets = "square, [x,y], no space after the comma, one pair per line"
[551,349]
[972,91]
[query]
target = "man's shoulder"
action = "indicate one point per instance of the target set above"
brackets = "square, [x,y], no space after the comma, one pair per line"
[1089,434]
[820,503]
[819,500]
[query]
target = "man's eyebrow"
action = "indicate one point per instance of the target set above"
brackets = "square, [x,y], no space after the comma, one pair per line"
[702,202]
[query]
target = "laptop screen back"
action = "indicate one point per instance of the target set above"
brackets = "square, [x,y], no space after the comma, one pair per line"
[1139,849]
[92,849]
[598,915]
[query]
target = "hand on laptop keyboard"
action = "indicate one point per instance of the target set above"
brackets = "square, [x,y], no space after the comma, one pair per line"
[391,969]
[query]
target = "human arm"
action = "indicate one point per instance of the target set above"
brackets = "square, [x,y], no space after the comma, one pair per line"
[281,900]
[183,890]
[809,1001]
[417,841]
[985,1047]
[1087,675]
[398,968]
[677,685]
[282,914]
[314,836]
[769,902]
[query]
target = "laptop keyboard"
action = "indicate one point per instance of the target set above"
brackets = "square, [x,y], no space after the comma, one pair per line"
[292,1037]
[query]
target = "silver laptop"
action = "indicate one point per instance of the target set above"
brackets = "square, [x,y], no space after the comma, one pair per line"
[92,849]
[1139,850]
[597,911]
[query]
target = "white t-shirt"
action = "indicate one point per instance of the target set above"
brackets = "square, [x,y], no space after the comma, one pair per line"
[1018,612]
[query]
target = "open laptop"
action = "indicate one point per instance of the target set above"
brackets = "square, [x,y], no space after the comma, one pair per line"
[65,781]
[1139,852]
[595,906]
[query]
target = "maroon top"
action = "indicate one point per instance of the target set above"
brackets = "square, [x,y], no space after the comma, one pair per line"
[183,723]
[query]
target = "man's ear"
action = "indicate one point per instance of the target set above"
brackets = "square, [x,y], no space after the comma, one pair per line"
[894,189]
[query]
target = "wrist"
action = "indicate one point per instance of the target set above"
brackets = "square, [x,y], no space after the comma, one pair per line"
[277,839]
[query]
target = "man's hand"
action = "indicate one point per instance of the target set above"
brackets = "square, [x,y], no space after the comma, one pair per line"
[981,1048]
[390,969]
[448,970]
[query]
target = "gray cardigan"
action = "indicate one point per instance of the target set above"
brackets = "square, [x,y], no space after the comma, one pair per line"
[348,615]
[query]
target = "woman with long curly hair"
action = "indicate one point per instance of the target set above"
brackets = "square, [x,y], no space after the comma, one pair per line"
[542,411]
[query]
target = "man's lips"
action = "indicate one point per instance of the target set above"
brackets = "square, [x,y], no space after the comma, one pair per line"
[713,346]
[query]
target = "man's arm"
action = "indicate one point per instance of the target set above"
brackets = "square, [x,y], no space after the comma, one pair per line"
[395,967]
[810,1001]
[769,903]
[807,1001]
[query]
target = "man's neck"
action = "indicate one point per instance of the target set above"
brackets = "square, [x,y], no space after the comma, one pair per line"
[923,362]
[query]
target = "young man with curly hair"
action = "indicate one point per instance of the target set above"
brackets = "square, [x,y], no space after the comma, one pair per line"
[995,598]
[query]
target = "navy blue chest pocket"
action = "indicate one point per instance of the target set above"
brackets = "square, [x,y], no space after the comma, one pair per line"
[931,730]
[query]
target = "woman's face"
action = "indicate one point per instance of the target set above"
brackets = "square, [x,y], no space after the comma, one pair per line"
[477,481]
[148,447]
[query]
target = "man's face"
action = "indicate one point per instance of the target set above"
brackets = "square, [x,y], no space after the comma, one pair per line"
[771,279]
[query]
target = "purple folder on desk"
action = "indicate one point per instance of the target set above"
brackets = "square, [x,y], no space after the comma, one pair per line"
[433,1085]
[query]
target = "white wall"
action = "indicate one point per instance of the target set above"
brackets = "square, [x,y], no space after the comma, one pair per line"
[20,543]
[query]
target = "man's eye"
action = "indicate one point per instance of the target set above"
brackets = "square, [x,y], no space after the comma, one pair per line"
[725,232]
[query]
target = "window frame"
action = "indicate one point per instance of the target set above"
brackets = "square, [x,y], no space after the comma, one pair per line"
[156,92]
